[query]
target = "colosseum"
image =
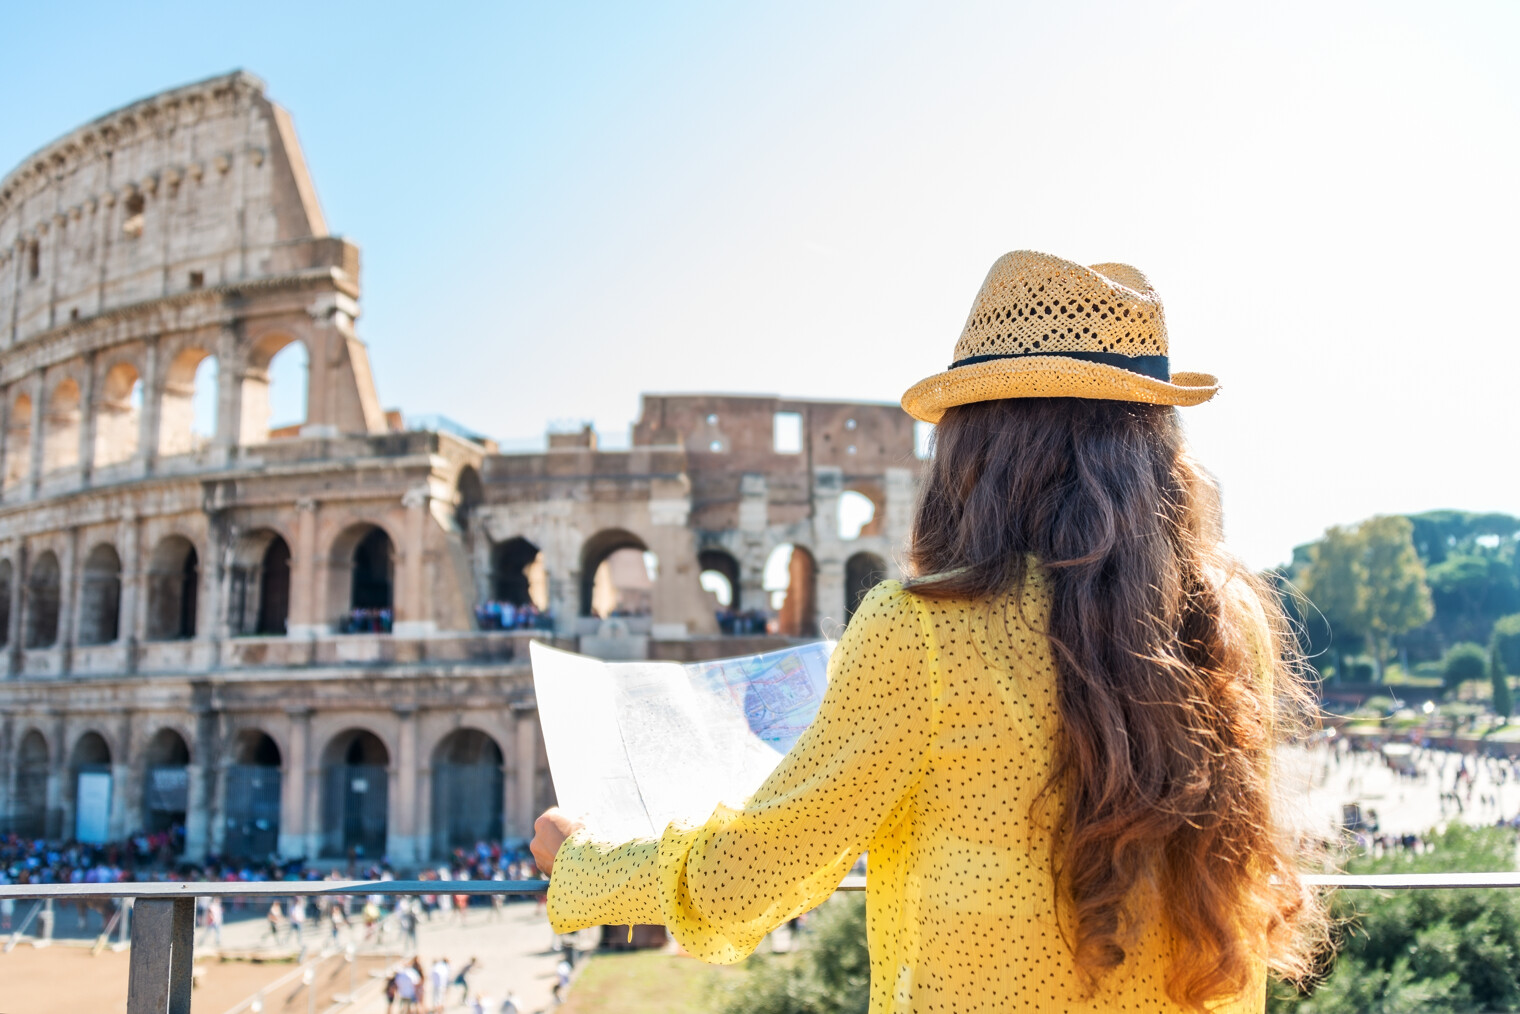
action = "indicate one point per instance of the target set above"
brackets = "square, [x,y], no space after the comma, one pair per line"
[308,637]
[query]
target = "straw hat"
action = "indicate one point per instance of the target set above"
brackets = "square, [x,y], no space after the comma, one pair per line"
[1042,327]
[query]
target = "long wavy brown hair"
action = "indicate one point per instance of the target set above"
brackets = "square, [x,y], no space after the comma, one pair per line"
[1175,670]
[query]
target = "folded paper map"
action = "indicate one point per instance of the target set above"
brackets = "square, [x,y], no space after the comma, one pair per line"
[635,745]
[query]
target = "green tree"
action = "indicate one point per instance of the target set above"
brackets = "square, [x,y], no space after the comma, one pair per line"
[1335,581]
[1411,952]
[1506,639]
[1398,598]
[1369,580]
[1504,702]
[1463,662]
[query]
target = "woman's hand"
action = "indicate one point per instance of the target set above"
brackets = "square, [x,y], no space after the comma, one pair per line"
[549,832]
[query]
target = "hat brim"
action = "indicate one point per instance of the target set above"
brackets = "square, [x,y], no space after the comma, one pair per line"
[1050,377]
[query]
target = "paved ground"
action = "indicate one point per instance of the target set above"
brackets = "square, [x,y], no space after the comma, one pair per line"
[1321,780]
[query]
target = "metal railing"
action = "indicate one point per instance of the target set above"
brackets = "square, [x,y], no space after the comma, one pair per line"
[163,913]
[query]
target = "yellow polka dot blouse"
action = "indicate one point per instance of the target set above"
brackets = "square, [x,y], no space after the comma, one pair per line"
[931,743]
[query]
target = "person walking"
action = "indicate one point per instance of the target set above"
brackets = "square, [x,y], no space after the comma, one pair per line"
[462,977]
[439,979]
[1055,736]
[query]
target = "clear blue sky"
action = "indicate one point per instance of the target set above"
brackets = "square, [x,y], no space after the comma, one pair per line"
[565,205]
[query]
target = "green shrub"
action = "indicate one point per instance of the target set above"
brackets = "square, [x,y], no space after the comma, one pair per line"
[829,974]
[1463,662]
[1423,951]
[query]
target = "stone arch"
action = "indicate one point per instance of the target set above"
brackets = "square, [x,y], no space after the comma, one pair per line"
[258,597]
[468,779]
[18,441]
[362,576]
[7,576]
[791,578]
[718,572]
[89,788]
[117,415]
[862,510]
[173,589]
[260,396]
[100,596]
[60,428]
[32,763]
[862,572]
[517,573]
[43,599]
[183,380]
[597,580]
[166,785]
[252,810]
[355,794]
[469,494]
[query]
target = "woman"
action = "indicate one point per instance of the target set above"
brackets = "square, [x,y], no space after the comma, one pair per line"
[1054,740]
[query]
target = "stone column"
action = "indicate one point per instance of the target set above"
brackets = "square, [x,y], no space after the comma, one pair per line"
[39,399]
[68,600]
[229,397]
[126,783]
[307,576]
[203,808]
[87,409]
[413,618]
[13,622]
[60,818]
[133,601]
[296,807]
[526,758]
[828,551]
[147,422]
[401,836]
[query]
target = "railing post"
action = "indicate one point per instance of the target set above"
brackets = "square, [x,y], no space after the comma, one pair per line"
[163,941]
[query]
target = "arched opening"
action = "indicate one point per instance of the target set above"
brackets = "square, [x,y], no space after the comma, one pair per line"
[42,601]
[166,787]
[188,407]
[90,779]
[363,570]
[519,596]
[253,797]
[860,512]
[791,578]
[355,795]
[100,596]
[18,442]
[862,572]
[31,786]
[60,429]
[718,574]
[274,389]
[173,588]
[469,494]
[467,791]
[617,575]
[117,416]
[258,595]
[6,574]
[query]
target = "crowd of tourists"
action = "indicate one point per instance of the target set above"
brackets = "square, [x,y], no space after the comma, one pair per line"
[506,616]
[420,988]
[366,621]
[747,621]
